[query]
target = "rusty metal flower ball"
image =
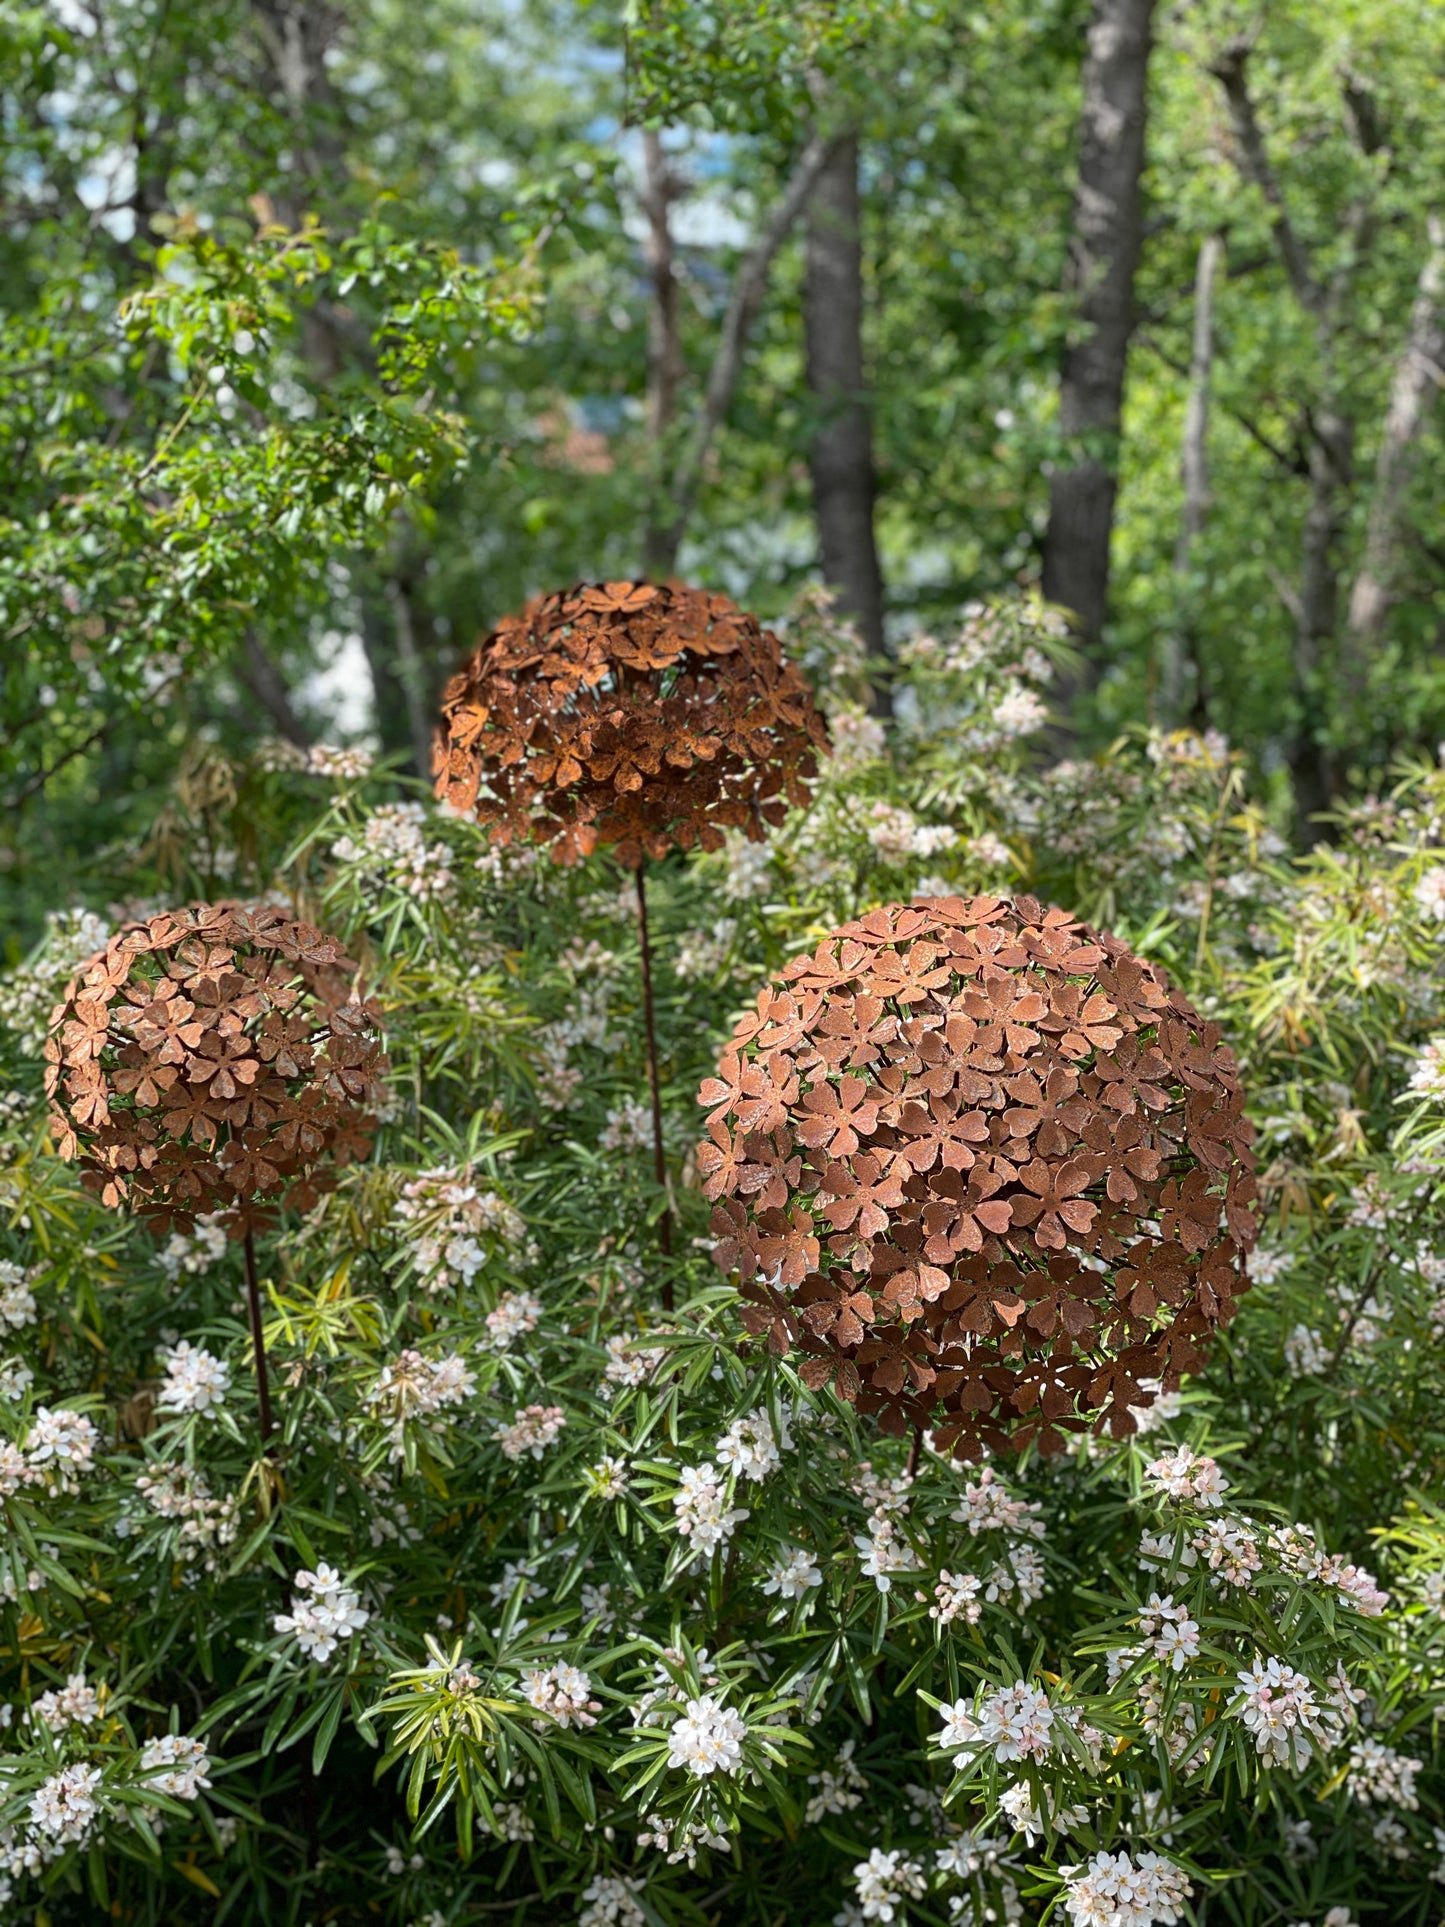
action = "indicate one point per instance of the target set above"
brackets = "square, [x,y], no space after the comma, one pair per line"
[213,1059]
[984,1170]
[641,716]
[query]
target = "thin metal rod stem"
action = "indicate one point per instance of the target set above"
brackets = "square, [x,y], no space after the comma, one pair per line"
[258,1343]
[649,1016]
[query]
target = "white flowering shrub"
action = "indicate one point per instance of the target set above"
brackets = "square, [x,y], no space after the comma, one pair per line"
[549,1604]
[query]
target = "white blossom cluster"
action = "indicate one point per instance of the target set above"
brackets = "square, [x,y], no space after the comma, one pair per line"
[707,1738]
[562,1694]
[883,1882]
[75,1704]
[628,1127]
[532,1430]
[701,955]
[704,1518]
[610,1900]
[515,1314]
[1305,1352]
[1295,1548]
[207,1524]
[17,1301]
[339,763]
[792,1573]
[195,1251]
[1188,1475]
[64,1807]
[884,1551]
[749,1448]
[1267,1264]
[195,1381]
[1287,1715]
[1016,1722]
[749,873]
[1114,1890]
[628,1364]
[175,1764]
[450,1223]
[1427,1071]
[16,1378]
[413,1386]
[897,835]
[58,1447]
[840,1787]
[1379,1775]
[681,1839]
[330,1612]
[855,739]
[1016,1575]
[393,849]
[1023,1812]
[1173,1636]
[956,1596]
[1429,893]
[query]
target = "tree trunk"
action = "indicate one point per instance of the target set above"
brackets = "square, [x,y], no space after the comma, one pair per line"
[411,671]
[1417,373]
[1107,236]
[296,35]
[1331,461]
[1181,645]
[840,457]
[389,692]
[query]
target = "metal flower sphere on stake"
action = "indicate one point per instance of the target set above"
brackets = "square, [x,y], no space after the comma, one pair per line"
[984,1169]
[214,1059]
[648,717]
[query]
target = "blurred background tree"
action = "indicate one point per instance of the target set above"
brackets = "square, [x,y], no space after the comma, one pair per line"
[330,334]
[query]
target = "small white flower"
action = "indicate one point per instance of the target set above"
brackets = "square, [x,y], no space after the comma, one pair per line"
[749,1449]
[175,1764]
[792,1573]
[516,1314]
[562,1692]
[196,1380]
[884,1881]
[65,1806]
[74,1704]
[534,1428]
[332,1613]
[1188,1475]
[707,1738]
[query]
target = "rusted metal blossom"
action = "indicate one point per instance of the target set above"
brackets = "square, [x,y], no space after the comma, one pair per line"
[643,716]
[984,1169]
[214,1059]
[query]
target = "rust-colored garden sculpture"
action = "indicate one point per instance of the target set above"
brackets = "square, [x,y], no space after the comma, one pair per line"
[215,1060]
[984,1170]
[643,716]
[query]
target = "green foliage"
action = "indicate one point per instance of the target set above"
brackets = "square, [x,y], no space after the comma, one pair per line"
[492,1436]
[345,336]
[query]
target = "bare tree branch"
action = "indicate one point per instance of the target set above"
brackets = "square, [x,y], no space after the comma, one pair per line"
[1411,392]
[665,364]
[1229,68]
[749,286]
[1292,462]
[264,680]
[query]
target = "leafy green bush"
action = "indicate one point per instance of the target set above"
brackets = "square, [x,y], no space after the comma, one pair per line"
[548,1605]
